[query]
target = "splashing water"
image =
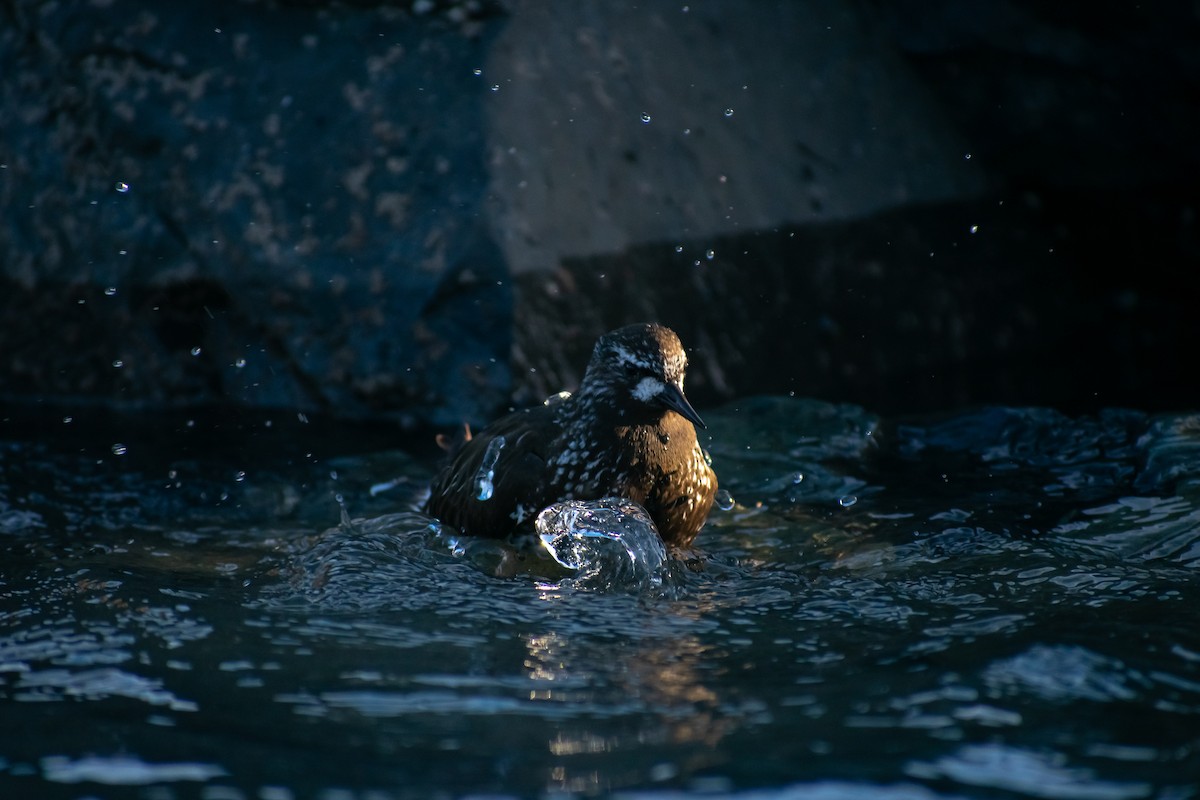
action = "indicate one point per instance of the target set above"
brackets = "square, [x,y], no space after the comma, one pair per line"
[607,543]
[486,476]
[724,500]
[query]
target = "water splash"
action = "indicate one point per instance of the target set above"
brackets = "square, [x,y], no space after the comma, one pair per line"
[606,543]
[484,479]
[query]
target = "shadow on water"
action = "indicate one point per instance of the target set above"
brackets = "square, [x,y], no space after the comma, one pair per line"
[994,603]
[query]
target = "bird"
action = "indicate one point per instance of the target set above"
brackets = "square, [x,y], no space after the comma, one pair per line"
[628,432]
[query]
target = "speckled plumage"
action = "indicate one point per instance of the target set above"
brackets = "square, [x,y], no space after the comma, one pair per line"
[628,432]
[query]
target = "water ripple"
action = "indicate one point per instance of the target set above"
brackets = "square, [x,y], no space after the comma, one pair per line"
[1031,773]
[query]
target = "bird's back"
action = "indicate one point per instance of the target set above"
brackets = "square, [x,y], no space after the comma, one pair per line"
[494,483]
[500,479]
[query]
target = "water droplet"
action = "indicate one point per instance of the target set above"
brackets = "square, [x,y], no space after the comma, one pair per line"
[710,254]
[384,486]
[240,363]
[478,71]
[118,363]
[240,476]
[110,291]
[68,420]
[333,474]
[196,351]
[974,229]
[678,248]
[172,474]
[724,500]
[487,469]
[495,87]
[645,118]
[729,112]
[555,399]
[798,477]
[707,457]
[119,449]
[967,156]
[845,501]
[122,187]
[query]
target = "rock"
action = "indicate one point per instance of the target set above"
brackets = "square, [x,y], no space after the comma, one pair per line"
[618,126]
[250,204]
[427,212]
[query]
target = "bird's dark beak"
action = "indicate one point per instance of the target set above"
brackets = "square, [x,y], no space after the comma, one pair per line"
[672,397]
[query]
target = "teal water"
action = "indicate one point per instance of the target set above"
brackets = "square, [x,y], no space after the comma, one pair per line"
[994,603]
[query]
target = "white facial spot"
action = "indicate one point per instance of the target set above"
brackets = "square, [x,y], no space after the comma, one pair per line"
[647,389]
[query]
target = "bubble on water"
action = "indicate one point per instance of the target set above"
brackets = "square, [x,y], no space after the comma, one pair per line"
[710,254]
[110,291]
[484,479]
[646,118]
[119,449]
[798,477]
[724,500]
[495,87]
[847,500]
[118,363]
[240,363]
[122,187]
[196,351]
[729,112]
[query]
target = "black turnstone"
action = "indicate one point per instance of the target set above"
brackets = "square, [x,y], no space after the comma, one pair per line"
[628,432]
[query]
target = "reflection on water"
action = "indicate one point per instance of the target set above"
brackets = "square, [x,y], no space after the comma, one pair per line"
[1008,609]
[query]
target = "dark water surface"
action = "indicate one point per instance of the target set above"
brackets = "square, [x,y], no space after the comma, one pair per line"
[999,603]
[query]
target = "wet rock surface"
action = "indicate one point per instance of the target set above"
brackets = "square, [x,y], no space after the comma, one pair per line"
[429,212]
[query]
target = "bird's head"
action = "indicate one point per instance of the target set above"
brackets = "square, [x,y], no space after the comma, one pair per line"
[643,363]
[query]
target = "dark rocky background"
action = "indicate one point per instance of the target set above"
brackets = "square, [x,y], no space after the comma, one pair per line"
[425,212]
